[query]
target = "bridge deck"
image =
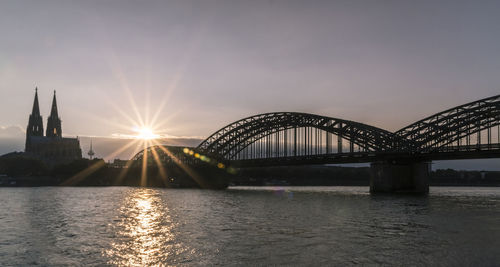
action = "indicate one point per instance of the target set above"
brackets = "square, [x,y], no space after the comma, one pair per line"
[447,153]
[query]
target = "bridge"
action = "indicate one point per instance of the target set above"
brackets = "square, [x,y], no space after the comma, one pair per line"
[400,161]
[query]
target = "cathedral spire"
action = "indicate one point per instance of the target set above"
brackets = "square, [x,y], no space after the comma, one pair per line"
[35,123]
[53,111]
[36,107]
[53,122]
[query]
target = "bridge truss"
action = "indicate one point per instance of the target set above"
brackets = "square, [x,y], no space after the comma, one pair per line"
[465,127]
[284,134]
[313,138]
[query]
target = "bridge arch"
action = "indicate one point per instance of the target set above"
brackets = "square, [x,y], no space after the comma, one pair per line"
[232,139]
[455,126]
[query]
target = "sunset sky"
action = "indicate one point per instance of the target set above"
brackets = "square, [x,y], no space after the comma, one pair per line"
[199,65]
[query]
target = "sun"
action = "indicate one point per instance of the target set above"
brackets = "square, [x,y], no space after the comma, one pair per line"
[145,133]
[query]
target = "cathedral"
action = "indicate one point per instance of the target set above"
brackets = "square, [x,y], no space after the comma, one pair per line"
[51,148]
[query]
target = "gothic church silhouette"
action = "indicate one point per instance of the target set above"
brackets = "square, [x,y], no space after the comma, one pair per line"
[51,148]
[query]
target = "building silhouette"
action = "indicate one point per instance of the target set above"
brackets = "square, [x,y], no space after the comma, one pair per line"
[51,148]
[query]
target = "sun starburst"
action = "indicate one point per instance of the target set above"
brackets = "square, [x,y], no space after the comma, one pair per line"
[145,133]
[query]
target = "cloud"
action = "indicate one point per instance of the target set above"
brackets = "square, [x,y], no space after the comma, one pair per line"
[12,132]
[11,139]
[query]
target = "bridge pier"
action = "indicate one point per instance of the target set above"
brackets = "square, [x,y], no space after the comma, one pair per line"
[403,177]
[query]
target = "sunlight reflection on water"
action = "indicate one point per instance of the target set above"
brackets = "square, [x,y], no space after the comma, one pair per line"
[144,232]
[248,226]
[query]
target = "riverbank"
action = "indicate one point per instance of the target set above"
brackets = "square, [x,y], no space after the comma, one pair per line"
[351,176]
[210,178]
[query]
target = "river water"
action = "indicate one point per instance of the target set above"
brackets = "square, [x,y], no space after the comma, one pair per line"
[248,226]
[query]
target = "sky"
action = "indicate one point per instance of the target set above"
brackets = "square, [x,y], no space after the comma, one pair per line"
[197,66]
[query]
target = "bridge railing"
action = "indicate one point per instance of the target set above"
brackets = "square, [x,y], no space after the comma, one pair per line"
[466,148]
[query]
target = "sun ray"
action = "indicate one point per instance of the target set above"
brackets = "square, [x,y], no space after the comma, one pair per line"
[95,166]
[147,108]
[148,126]
[179,74]
[125,169]
[106,121]
[184,167]
[121,149]
[119,75]
[122,112]
[159,109]
[84,173]
[144,169]
[160,166]
[167,118]
[164,101]
[131,161]
[138,148]
[134,106]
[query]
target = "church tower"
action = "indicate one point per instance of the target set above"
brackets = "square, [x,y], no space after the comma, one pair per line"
[52,148]
[53,122]
[35,124]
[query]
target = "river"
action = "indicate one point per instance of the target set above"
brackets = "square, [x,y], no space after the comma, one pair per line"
[127,226]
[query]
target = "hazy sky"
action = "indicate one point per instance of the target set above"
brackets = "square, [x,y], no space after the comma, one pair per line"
[384,63]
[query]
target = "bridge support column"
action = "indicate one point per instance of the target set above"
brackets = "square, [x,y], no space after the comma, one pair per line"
[393,177]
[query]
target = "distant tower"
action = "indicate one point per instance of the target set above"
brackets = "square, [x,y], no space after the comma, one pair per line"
[91,152]
[53,122]
[35,124]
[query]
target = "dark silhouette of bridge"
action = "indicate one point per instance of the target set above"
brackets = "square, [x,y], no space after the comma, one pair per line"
[469,131]
[400,160]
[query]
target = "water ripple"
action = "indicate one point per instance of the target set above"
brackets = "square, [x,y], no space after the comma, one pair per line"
[120,226]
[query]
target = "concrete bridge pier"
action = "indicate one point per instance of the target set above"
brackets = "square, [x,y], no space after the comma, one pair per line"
[400,177]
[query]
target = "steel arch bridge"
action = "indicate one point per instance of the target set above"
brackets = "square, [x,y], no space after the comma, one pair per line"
[276,130]
[456,126]
[467,131]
